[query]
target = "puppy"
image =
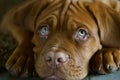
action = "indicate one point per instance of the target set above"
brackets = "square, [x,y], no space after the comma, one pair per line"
[58,38]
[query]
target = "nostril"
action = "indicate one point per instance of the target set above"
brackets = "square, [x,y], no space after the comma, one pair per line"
[48,59]
[60,60]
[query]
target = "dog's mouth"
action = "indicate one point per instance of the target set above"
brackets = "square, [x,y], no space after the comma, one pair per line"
[53,77]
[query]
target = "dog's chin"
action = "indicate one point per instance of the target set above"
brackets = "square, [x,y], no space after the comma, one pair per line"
[53,77]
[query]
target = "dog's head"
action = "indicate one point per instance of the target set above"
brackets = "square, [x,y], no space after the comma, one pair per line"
[66,37]
[67,33]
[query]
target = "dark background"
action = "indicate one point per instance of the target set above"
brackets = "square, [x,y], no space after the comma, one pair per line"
[7,43]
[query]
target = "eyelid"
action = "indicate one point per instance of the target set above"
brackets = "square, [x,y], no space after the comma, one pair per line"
[83,26]
[83,29]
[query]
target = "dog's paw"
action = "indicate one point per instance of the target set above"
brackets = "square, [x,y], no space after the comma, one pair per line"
[105,61]
[21,62]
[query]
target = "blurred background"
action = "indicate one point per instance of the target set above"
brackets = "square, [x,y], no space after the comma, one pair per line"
[8,44]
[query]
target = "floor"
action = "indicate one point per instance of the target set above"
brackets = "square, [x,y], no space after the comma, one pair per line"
[4,75]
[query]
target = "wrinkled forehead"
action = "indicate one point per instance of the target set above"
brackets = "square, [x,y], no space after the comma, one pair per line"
[66,12]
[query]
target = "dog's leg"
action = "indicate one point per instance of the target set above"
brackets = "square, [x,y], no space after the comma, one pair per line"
[21,61]
[106,61]
[19,21]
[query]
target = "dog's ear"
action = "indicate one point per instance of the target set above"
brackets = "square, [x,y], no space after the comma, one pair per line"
[108,21]
[115,4]
[25,14]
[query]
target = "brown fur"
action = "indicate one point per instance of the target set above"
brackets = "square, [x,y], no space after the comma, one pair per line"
[100,18]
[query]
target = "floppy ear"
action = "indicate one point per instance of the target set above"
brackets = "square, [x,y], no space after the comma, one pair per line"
[108,21]
[115,4]
[24,15]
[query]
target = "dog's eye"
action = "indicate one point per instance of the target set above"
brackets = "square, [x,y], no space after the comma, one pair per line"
[44,31]
[81,34]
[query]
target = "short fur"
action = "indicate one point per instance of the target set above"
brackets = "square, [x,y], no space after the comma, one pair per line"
[101,18]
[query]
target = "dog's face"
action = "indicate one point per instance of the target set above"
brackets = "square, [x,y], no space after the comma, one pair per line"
[65,38]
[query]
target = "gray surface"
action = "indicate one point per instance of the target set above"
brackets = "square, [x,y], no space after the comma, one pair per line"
[112,76]
[4,75]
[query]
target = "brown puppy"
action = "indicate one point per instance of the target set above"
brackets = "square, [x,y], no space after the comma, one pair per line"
[66,35]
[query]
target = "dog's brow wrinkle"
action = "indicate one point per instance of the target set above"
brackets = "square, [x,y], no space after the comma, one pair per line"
[55,48]
[63,12]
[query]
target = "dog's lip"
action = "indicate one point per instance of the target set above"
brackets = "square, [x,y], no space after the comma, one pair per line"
[53,77]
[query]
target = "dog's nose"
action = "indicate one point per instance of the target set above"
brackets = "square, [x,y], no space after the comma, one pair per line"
[56,59]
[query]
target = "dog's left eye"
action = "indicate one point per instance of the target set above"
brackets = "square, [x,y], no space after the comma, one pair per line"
[81,34]
[44,31]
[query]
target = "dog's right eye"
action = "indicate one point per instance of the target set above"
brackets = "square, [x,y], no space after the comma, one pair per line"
[44,31]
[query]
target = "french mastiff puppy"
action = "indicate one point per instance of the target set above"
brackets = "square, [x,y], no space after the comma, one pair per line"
[66,34]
